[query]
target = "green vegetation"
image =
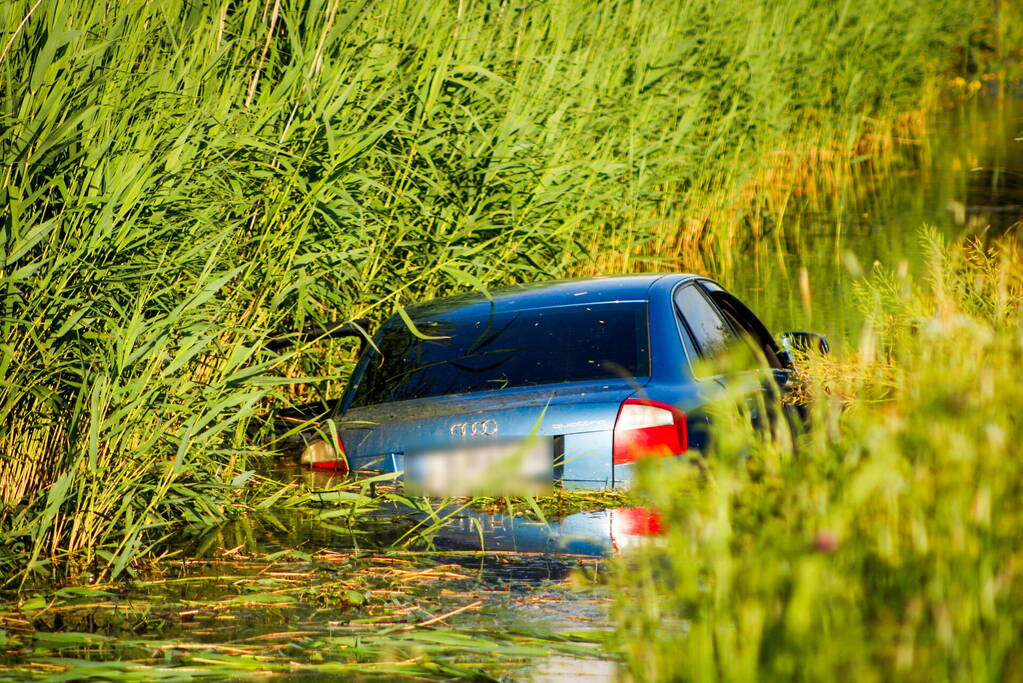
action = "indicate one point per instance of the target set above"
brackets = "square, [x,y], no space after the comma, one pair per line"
[887,543]
[180,180]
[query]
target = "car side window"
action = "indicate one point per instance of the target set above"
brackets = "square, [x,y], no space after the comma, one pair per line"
[711,332]
[748,325]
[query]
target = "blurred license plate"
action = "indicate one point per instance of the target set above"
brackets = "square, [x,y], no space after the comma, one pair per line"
[494,468]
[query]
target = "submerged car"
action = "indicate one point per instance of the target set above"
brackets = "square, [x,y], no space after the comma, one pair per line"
[564,383]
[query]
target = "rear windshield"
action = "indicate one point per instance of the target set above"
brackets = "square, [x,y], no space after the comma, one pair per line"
[512,349]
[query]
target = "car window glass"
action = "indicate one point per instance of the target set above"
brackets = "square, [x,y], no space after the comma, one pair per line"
[754,355]
[507,349]
[751,330]
[710,330]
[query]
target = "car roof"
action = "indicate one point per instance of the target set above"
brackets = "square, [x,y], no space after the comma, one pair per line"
[550,293]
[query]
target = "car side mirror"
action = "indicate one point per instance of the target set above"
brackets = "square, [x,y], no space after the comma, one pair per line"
[803,343]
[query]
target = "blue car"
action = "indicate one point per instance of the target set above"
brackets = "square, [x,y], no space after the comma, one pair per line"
[565,383]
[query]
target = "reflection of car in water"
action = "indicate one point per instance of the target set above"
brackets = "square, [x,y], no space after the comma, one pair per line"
[594,533]
[564,382]
[554,545]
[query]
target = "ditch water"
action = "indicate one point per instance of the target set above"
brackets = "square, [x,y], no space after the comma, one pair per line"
[314,599]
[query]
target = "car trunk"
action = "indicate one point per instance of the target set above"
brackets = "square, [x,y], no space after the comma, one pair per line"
[576,418]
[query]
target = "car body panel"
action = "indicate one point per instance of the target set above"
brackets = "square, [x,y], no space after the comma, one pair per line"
[577,416]
[377,437]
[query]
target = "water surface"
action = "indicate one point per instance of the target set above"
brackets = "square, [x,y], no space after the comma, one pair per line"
[964,175]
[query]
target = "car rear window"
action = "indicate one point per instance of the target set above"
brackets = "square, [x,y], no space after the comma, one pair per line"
[508,349]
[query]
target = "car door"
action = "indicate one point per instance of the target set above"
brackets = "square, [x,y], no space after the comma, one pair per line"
[776,378]
[706,336]
[751,331]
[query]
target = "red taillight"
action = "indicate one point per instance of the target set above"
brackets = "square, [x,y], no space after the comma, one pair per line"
[636,521]
[631,527]
[336,460]
[648,429]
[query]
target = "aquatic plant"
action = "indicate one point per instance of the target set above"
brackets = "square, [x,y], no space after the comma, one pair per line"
[285,613]
[886,543]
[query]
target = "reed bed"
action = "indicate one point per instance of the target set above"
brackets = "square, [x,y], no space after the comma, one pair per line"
[181,180]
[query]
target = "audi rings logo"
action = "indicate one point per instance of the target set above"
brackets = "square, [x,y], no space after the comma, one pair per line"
[479,428]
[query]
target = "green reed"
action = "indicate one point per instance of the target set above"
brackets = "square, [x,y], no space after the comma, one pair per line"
[180,180]
[886,544]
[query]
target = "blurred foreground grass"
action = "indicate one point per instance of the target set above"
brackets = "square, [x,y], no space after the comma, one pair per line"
[889,543]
